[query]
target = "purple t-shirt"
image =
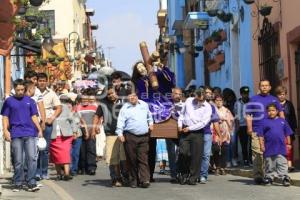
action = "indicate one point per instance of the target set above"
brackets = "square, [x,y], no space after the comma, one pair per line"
[214,118]
[257,107]
[274,132]
[19,113]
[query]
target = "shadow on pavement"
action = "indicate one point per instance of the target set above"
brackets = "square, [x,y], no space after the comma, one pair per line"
[100,182]
[244,181]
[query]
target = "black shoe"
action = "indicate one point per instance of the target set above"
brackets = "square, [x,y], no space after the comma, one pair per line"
[33,188]
[152,180]
[258,180]
[183,179]
[67,177]
[192,182]
[145,184]
[92,173]
[73,174]
[59,178]
[286,181]
[246,163]
[81,172]
[17,188]
[267,181]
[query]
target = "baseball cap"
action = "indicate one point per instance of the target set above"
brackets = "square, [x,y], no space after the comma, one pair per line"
[244,89]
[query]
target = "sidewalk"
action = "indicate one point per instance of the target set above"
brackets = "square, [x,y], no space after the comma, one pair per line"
[247,172]
[48,191]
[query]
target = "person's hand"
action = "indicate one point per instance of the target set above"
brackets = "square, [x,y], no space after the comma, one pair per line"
[43,126]
[7,136]
[179,129]
[121,138]
[185,130]
[151,127]
[250,132]
[40,134]
[49,120]
[93,135]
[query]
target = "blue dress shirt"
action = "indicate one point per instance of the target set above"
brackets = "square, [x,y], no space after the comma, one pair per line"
[134,119]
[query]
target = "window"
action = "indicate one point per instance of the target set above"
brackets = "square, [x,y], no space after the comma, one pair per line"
[50,16]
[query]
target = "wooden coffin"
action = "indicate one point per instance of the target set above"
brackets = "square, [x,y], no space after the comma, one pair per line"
[167,129]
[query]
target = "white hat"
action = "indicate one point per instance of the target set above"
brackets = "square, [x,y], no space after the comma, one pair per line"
[41,144]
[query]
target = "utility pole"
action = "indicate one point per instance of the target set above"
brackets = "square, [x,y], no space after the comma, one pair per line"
[109,48]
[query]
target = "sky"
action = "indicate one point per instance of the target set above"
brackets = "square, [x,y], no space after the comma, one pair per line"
[123,24]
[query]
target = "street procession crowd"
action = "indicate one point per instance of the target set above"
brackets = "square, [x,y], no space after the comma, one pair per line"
[52,122]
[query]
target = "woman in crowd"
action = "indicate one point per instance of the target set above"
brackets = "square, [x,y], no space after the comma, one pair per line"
[221,143]
[61,140]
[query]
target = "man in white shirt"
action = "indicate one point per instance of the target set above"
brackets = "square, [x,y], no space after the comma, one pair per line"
[194,116]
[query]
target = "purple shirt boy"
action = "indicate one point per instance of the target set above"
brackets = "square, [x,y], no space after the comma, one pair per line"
[257,107]
[274,131]
[17,110]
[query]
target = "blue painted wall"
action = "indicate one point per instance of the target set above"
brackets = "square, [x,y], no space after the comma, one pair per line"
[237,70]
[176,60]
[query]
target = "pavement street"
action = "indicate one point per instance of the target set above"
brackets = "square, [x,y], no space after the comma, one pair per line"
[85,187]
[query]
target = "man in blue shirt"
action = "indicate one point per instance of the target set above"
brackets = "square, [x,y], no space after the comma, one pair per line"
[133,126]
[21,127]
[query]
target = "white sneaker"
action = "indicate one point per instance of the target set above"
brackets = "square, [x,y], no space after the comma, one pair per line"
[39,184]
[203,180]
[234,163]
[228,164]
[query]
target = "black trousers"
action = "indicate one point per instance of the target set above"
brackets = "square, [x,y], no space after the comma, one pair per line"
[190,154]
[87,160]
[219,155]
[245,142]
[152,156]
[136,149]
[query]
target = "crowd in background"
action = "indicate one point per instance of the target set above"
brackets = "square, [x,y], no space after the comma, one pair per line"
[73,123]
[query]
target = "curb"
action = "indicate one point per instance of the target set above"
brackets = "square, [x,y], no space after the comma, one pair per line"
[59,191]
[248,174]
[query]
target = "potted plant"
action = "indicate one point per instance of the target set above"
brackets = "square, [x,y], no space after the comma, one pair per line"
[220,57]
[222,34]
[224,17]
[212,12]
[265,10]
[210,44]
[249,1]
[22,10]
[216,36]
[212,66]
[36,2]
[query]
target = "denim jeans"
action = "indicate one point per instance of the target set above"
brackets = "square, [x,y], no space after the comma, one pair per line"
[29,146]
[232,152]
[172,157]
[75,152]
[43,161]
[206,155]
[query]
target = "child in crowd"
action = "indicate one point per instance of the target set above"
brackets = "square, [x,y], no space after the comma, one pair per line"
[290,117]
[221,142]
[272,136]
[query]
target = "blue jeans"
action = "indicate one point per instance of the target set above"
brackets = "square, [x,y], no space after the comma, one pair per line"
[43,161]
[29,146]
[75,154]
[232,152]
[172,157]
[206,155]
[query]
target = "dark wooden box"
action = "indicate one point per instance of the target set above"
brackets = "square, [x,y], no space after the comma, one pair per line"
[167,129]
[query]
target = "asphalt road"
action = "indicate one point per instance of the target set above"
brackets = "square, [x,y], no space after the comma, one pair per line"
[85,187]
